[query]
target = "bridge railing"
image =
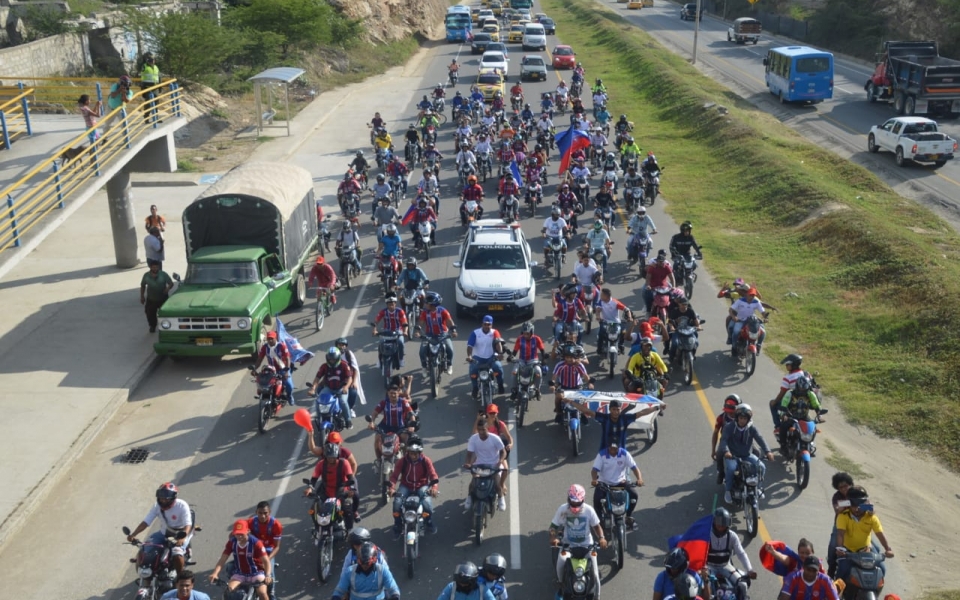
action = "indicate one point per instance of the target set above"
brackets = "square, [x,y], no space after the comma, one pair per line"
[15,114]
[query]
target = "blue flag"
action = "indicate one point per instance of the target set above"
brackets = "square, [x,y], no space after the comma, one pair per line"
[298,353]
[696,541]
[516,172]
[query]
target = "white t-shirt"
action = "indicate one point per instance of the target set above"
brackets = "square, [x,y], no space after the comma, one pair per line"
[174,518]
[576,527]
[487,451]
[554,228]
[613,469]
[598,239]
[744,309]
[584,274]
[610,311]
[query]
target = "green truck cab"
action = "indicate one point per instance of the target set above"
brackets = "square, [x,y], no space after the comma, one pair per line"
[248,238]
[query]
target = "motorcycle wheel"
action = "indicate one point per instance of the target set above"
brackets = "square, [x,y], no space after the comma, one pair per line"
[803,473]
[688,287]
[319,316]
[425,246]
[575,440]
[687,368]
[750,518]
[612,359]
[750,362]
[434,379]
[325,559]
[486,397]
[411,558]
[620,541]
[521,410]
[387,368]
[320,245]
[345,276]
[384,482]
[264,416]
[478,525]
[654,432]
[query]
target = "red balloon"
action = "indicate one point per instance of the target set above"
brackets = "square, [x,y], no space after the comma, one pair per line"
[302,418]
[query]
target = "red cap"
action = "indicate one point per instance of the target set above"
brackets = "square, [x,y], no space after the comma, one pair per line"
[752,292]
[271,335]
[334,438]
[241,527]
[492,409]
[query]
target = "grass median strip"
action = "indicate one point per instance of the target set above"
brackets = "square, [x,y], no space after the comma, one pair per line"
[866,282]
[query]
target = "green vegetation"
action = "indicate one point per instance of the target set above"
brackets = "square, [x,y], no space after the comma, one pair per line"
[865,281]
[841,462]
[186,165]
[941,595]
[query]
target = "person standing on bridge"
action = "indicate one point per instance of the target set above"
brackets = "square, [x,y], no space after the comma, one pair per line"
[120,94]
[90,116]
[149,77]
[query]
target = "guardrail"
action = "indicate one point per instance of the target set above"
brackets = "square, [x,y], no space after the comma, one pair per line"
[15,116]
[62,92]
[29,199]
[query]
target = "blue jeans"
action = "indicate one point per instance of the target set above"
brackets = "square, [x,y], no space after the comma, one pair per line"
[733,330]
[730,465]
[342,398]
[558,331]
[447,343]
[158,538]
[491,362]
[647,293]
[401,495]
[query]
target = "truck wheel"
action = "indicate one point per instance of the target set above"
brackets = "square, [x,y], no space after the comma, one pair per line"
[755,40]
[872,144]
[910,106]
[299,291]
[900,160]
[898,103]
[871,93]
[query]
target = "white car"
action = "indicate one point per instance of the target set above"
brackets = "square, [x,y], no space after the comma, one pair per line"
[496,274]
[534,37]
[495,60]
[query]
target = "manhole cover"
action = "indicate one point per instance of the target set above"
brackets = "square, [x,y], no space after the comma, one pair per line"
[135,456]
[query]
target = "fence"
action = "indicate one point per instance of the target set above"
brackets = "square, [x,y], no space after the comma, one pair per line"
[15,113]
[30,199]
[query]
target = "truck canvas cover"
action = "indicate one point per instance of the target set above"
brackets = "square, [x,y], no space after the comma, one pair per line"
[264,204]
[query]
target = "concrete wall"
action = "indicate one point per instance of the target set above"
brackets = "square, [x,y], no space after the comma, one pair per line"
[66,54]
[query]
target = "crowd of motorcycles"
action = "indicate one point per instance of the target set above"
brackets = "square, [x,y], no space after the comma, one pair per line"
[327,515]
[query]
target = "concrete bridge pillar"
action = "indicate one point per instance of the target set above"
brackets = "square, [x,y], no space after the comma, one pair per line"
[123,220]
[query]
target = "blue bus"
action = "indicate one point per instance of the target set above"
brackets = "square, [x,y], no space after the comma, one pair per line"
[459,24]
[799,74]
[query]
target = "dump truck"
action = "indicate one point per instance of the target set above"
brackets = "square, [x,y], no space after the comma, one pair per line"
[916,79]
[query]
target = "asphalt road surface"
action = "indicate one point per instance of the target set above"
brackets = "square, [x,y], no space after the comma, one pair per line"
[199,420]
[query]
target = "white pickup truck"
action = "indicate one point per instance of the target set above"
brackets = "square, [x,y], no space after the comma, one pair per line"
[912,139]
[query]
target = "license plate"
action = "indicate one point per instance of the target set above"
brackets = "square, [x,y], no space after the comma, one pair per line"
[934,156]
[495,307]
[204,341]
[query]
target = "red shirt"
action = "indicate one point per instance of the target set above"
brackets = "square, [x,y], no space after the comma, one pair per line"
[247,559]
[657,274]
[392,321]
[268,533]
[327,474]
[473,192]
[567,311]
[509,188]
[435,322]
[528,350]
[324,275]
[414,474]
[422,216]
[337,376]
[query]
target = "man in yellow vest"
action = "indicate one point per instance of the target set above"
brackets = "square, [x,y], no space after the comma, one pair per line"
[149,77]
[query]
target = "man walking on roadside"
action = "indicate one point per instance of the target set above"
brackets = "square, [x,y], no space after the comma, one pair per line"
[153,247]
[154,288]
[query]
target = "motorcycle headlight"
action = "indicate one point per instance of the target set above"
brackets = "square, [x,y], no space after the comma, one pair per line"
[752,480]
[410,516]
[243,324]
[146,572]
[323,520]
[579,587]
[165,324]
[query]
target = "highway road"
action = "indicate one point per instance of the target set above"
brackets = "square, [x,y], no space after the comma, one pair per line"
[198,420]
[840,124]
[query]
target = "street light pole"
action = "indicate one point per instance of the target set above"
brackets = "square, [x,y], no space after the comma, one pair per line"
[696,31]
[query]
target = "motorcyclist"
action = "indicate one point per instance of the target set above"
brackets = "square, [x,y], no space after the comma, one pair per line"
[598,142]
[436,321]
[431,153]
[383,141]
[580,169]
[519,145]
[398,417]
[484,347]
[413,136]
[483,150]
[681,243]
[527,349]
[506,155]
[333,477]
[649,164]
[337,376]
[658,273]
[855,526]
[681,309]
[793,362]
[390,243]
[546,104]
[424,214]
[251,563]
[381,191]
[527,113]
[347,238]
[473,191]
[797,403]
[598,239]
[355,540]
[599,101]
[415,474]
[466,159]
[579,523]
[641,361]
[359,163]
[730,404]
[475,94]
[563,93]
[413,277]
[496,104]
[516,90]
[384,215]
[622,128]
[628,151]
[640,228]
[576,106]
[429,186]
[602,117]
[492,576]
[809,581]
[425,105]
[568,375]
[278,356]
[736,442]
[676,568]
[586,272]
[739,312]
[545,124]
[459,104]
[428,120]
[368,579]
[397,170]
[466,585]
[348,186]
[609,310]
[392,319]
[439,92]
[610,467]
[376,124]
[724,544]
[570,310]
[454,66]
[485,450]
[508,187]
[605,199]
[533,170]
[598,87]
[176,517]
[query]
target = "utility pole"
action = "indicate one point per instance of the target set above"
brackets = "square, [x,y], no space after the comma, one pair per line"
[696,31]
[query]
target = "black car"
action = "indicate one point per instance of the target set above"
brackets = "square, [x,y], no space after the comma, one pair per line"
[480,41]
[549,27]
[689,10]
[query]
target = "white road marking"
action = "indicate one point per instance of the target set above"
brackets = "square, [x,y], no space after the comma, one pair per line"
[514,478]
[842,90]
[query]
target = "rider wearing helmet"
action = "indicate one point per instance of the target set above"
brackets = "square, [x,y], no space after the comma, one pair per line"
[390,243]
[413,277]
[176,516]
[465,585]
[730,404]
[793,363]
[359,163]
[435,322]
[598,87]
[597,239]
[681,243]
[337,377]
[629,150]
[414,474]
[358,537]
[391,319]
[580,523]
[370,578]
[675,566]
[724,543]
[639,363]
[333,477]
[356,390]
[492,576]
[685,587]
[798,395]
[528,350]
[736,442]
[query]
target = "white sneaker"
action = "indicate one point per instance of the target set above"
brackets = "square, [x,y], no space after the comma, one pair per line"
[727,498]
[502,505]
[449,369]
[425,373]
[353,415]
[468,503]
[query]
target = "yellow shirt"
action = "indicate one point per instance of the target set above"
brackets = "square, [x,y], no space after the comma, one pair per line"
[383,142]
[635,366]
[857,532]
[150,74]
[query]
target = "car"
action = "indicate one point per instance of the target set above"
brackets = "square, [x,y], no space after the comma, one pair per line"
[494,60]
[916,139]
[515,36]
[564,57]
[525,16]
[549,26]
[496,275]
[539,16]
[533,68]
[475,14]
[499,47]
[634,4]
[485,13]
[489,82]
[488,21]
[534,37]
[480,42]
[689,12]
[493,31]
[496,7]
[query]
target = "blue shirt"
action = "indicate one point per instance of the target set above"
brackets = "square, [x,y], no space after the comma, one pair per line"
[496,587]
[391,244]
[366,586]
[480,593]
[458,101]
[351,559]
[478,95]
[194,595]
[412,279]
[664,584]
[603,117]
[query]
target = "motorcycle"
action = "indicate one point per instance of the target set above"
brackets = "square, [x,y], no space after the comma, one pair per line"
[799,444]
[437,360]
[465,170]
[388,352]
[453,77]
[421,238]
[510,209]
[745,347]
[155,574]
[555,255]
[516,102]
[661,302]
[736,586]
[652,185]
[270,394]
[608,344]
[589,295]
[865,581]
[438,105]
[638,248]
[633,197]
[572,425]
[648,383]
[413,528]
[327,415]
[685,348]
[430,135]
[388,273]
[432,163]
[578,581]
[607,216]
[746,493]
[410,303]
[485,385]
[385,465]
[581,189]
[484,496]
[533,196]
[614,522]
[528,386]
[396,190]
[562,101]
[412,152]
[349,264]
[323,236]
[609,180]
[684,274]
[469,212]
[328,527]
[596,156]
[485,165]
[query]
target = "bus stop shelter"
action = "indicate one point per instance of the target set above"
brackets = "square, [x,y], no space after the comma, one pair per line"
[266,89]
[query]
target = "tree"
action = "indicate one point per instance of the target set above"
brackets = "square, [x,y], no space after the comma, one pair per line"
[44,22]
[301,23]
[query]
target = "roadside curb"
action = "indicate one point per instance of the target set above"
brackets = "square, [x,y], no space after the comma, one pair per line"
[163,183]
[28,505]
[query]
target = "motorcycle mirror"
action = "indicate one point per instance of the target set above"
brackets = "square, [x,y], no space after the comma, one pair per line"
[181,535]
[306,481]
[125,530]
[176,277]
[369,419]
[414,405]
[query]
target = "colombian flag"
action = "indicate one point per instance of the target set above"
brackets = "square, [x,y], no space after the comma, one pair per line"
[569,142]
[298,353]
[769,563]
[407,218]
[696,541]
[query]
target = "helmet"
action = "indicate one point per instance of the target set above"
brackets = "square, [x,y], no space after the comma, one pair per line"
[368,555]
[743,409]
[570,288]
[598,225]
[358,535]
[421,200]
[685,587]
[731,403]
[390,298]
[599,81]
[575,497]
[610,156]
[331,450]
[346,225]
[722,518]
[333,355]
[686,225]
[495,564]
[578,351]
[346,176]
[857,496]
[629,139]
[414,445]
[380,177]
[645,341]
[555,211]
[342,341]
[801,385]
[391,229]
[414,127]
[471,179]
[125,80]
[167,493]
[465,575]
[623,117]
[641,210]
[509,176]
[359,153]
[411,261]
[677,560]
[527,327]
[459,95]
[793,360]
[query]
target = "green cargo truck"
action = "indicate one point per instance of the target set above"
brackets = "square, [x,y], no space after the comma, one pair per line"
[248,238]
